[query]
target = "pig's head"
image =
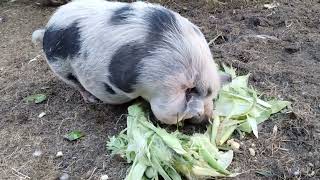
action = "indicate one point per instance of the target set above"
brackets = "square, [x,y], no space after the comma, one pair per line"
[187,78]
[187,96]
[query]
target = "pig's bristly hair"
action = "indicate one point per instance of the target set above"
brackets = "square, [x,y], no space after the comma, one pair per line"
[120,51]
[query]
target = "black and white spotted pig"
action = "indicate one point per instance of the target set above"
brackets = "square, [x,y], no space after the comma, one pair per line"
[116,52]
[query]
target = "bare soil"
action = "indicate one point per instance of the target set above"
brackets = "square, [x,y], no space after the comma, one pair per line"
[284,64]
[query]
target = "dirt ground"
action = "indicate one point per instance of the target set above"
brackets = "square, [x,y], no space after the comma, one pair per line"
[284,64]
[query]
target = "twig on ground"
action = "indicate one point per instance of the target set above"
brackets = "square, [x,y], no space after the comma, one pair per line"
[35,58]
[19,174]
[214,39]
[94,170]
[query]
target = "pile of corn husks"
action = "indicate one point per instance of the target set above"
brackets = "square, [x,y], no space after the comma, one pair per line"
[154,152]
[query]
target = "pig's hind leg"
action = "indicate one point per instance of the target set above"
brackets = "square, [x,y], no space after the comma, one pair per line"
[62,46]
[87,96]
[64,71]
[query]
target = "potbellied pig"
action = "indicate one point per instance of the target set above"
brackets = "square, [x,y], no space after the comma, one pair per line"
[115,52]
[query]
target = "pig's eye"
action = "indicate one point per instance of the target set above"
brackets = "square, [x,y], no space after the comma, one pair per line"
[191,92]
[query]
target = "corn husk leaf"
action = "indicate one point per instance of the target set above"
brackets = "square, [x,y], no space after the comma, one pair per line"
[229,70]
[253,125]
[239,103]
[156,153]
[277,106]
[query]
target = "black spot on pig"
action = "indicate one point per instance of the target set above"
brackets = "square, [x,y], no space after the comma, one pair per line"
[72,78]
[121,15]
[124,65]
[125,62]
[61,43]
[160,21]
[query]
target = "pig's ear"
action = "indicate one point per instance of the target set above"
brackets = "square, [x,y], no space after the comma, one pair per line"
[225,78]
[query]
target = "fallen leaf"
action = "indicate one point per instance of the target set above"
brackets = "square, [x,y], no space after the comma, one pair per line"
[74,135]
[37,98]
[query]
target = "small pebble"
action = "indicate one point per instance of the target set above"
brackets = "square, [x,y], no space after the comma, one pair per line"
[64,176]
[271,6]
[37,153]
[104,177]
[213,17]
[252,152]
[312,174]
[310,164]
[275,130]
[234,145]
[59,154]
[296,173]
[41,115]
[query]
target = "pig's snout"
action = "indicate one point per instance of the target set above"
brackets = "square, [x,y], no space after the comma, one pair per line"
[196,111]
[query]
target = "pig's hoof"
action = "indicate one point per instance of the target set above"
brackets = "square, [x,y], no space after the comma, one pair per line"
[89,98]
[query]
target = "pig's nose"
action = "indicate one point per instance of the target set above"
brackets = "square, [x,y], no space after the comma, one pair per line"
[205,120]
[200,119]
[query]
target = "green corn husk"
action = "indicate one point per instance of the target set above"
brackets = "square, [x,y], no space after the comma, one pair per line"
[155,153]
[238,107]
